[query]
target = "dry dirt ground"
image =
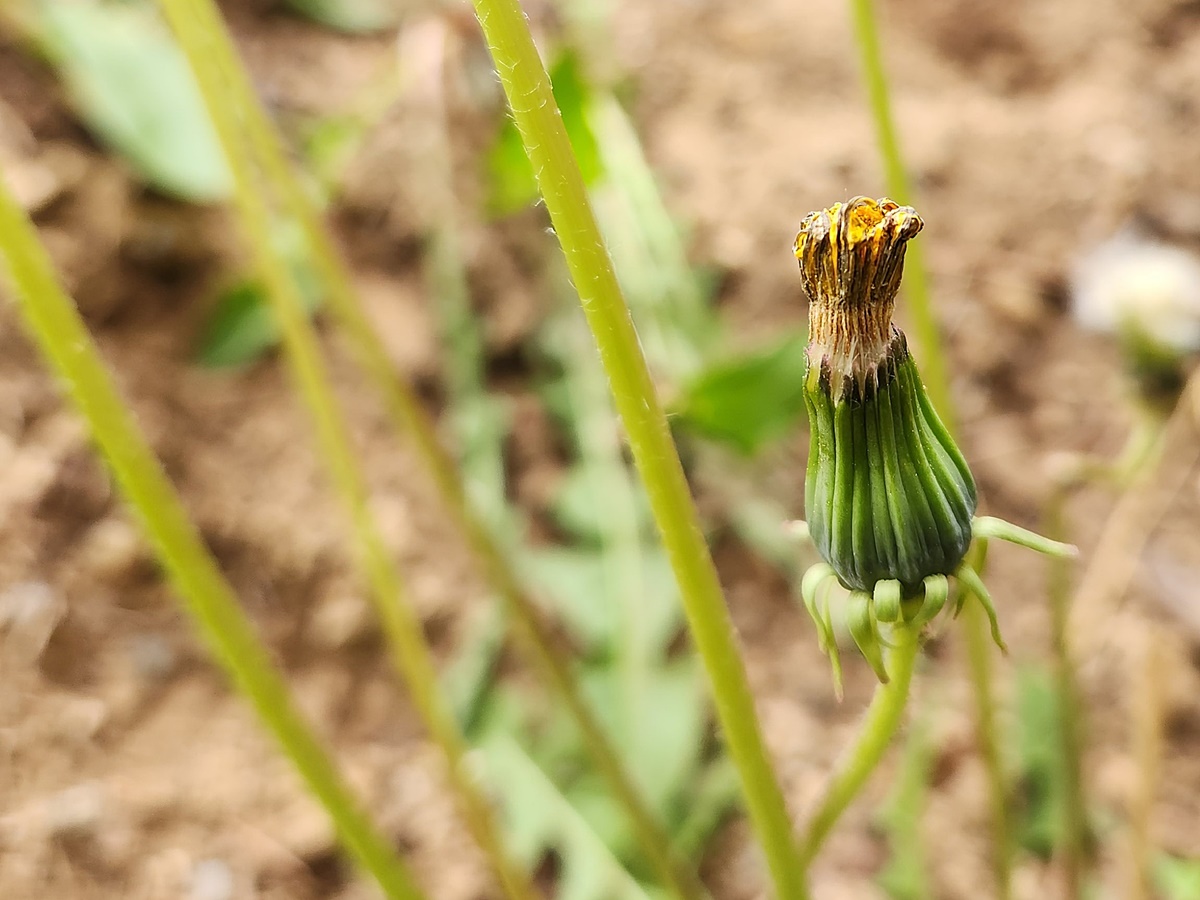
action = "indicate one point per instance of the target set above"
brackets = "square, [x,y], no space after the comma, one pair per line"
[126,767]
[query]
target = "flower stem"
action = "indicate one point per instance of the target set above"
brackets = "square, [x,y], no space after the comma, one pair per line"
[205,593]
[1138,456]
[540,124]
[406,410]
[198,28]
[938,384]
[979,661]
[916,284]
[1148,752]
[875,733]
[1074,822]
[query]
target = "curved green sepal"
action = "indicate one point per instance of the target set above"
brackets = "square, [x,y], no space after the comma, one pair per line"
[888,596]
[860,620]
[991,527]
[970,578]
[937,591]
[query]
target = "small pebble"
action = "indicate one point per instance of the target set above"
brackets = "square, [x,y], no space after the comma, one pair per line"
[211,879]
[113,547]
[29,614]
[339,620]
[153,656]
[77,811]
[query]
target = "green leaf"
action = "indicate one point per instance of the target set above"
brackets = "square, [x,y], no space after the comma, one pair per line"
[713,795]
[469,681]
[329,144]
[242,326]
[578,581]
[663,734]
[353,16]
[1039,827]
[579,508]
[906,877]
[749,400]
[513,186]
[538,818]
[130,84]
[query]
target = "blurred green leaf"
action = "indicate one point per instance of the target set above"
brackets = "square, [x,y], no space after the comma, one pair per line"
[579,509]
[469,681]
[242,326]
[329,143]
[510,176]
[578,580]
[905,877]
[1177,879]
[714,793]
[1039,823]
[131,85]
[660,731]
[750,400]
[353,16]
[538,817]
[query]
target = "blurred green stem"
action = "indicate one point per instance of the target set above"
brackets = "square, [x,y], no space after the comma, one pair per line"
[979,660]
[1074,822]
[1147,750]
[614,500]
[1139,453]
[933,364]
[199,30]
[406,410]
[916,283]
[207,597]
[540,123]
[875,733]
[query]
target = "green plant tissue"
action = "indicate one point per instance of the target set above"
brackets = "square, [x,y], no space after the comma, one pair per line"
[748,400]
[352,16]
[132,87]
[513,185]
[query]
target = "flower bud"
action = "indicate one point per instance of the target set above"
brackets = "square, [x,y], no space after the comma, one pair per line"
[888,495]
[889,498]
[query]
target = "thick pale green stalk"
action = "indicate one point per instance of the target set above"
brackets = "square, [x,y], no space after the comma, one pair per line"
[406,410]
[540,124]
[207,597]
[878,727]
[937,382]
[195,24]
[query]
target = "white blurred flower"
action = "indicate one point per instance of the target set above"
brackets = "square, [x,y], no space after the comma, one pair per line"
[1144,291]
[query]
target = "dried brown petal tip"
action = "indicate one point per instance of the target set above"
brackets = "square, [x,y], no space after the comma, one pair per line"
[851,262]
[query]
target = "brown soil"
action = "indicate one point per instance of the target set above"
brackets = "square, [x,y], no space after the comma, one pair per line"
[128,769]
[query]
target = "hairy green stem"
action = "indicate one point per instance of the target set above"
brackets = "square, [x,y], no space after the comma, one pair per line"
[540,124]
[206,595]
[198,27]
[875,733]
[937,379]
[405,409]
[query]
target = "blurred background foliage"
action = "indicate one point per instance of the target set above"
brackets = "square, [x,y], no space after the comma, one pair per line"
[596,563]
